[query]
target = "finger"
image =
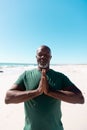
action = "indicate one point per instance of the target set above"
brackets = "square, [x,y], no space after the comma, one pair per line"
[44,72]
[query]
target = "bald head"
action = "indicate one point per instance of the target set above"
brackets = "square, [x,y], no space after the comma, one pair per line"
[44,47]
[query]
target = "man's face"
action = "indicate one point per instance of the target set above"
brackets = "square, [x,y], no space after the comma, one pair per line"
[43,57]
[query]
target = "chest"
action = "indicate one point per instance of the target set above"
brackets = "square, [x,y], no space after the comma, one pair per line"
[55,82]
[32,81]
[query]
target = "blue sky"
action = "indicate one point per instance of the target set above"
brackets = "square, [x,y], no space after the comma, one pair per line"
[27,24]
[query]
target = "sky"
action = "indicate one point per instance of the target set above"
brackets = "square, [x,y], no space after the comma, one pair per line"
[27,24]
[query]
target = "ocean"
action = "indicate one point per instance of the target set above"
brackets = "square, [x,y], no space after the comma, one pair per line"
[5,65]
[15,66]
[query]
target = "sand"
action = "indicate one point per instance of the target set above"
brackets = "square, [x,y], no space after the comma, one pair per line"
[74,116]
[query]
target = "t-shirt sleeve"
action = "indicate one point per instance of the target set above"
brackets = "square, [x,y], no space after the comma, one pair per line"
[67,82]
[20,80]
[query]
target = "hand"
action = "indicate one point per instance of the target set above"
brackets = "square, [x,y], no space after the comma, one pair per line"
[45,82]
[41,84]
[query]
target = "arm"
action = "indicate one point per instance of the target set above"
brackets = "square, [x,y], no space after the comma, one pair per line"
[69,94]
[17,94]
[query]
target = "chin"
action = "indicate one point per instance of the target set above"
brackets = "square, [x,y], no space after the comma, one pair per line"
[43,66]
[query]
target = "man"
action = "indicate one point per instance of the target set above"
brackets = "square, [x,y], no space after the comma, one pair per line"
[42,91]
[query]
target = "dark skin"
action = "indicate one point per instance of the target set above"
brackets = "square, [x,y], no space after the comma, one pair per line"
[17,94]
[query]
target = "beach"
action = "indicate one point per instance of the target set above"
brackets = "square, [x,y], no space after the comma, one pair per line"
[74,116]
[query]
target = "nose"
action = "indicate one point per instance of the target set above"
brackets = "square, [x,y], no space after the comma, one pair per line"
[43,56]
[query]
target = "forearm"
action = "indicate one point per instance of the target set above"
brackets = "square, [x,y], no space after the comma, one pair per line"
[16,96]
[67,96]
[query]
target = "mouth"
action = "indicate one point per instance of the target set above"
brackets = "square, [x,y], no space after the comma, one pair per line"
[43,64]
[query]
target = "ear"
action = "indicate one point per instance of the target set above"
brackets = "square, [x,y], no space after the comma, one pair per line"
[50,57]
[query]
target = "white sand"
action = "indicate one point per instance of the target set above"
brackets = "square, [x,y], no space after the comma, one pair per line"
[74,116]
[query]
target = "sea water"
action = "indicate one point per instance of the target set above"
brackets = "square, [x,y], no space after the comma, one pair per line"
[8,67]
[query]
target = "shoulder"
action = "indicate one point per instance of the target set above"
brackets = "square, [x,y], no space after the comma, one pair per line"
[57,73]
[30,71]
[25,73]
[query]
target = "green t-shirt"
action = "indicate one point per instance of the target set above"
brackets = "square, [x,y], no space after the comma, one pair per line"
[43,112]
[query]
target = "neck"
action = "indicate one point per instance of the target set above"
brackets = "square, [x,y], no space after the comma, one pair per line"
[40,68]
